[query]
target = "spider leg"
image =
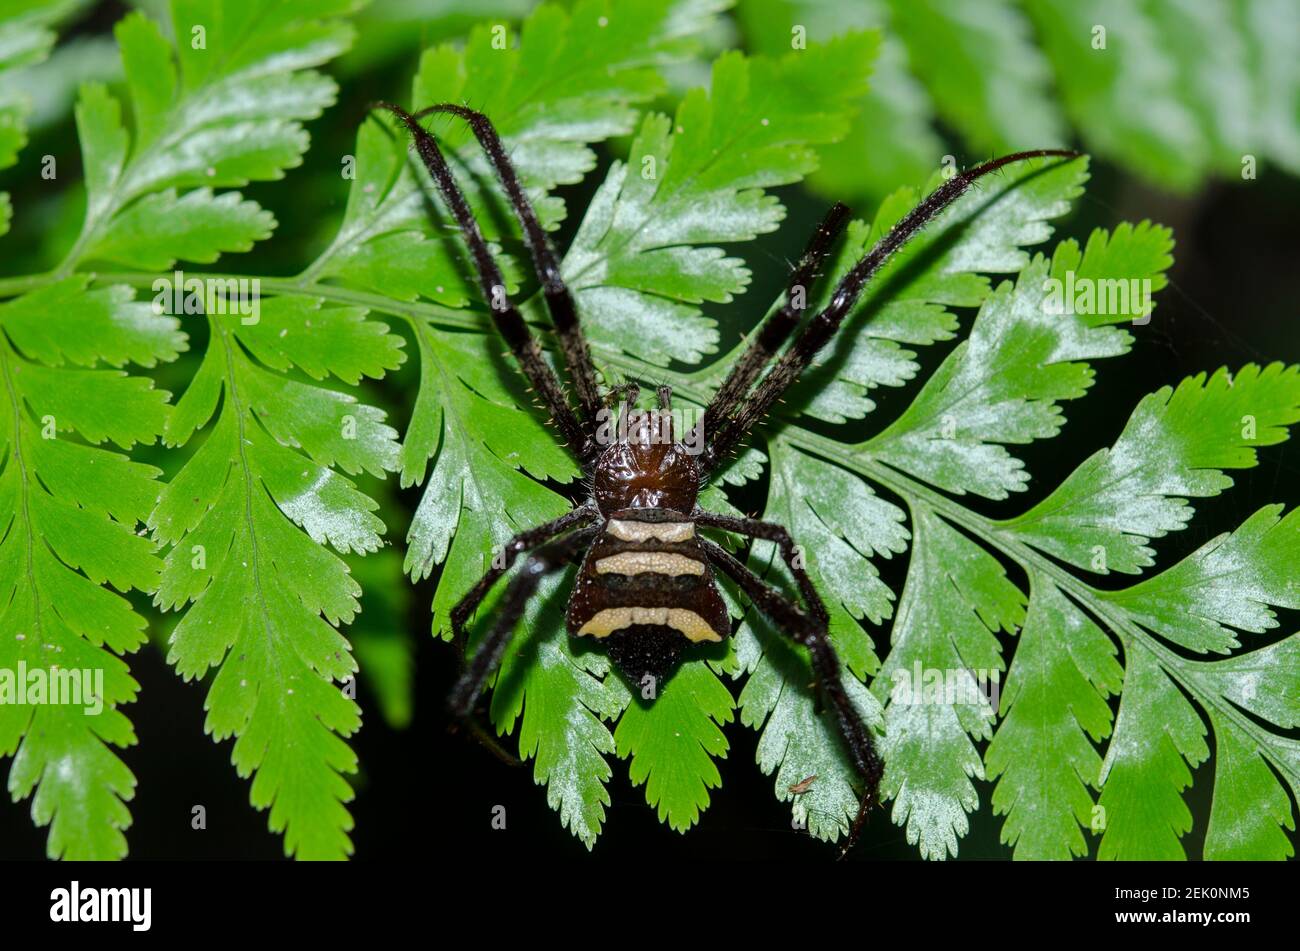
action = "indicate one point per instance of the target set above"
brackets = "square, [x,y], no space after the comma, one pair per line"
[559,301]
[550,557]
[777,534]
[776,329]
[822,327]
[809,628]
[505,316]
[521,543]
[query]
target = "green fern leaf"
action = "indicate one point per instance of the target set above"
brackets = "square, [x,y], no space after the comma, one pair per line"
[1175,89]
[1172,90]
[246,519]
[221,109]
[672,742]
[1246,756]
[956,600]
[867,161]
[1233,582]
[71,510]
[986,76]
[1175,446]
[1228,585]
[1003,384]
[1156,736]
[1065,667]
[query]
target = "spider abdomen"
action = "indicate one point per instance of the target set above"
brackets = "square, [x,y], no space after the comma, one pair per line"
[647,593]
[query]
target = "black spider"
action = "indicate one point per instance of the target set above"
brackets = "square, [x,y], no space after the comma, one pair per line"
[645,587]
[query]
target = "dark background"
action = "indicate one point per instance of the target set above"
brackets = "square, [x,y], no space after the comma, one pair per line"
[426,792]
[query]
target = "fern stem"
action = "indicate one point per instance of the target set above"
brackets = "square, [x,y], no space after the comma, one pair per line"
[22,284]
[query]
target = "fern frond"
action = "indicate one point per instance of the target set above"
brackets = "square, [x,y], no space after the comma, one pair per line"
[71,508]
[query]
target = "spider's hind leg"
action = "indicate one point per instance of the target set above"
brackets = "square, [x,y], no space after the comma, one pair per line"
[542,562]
[810,630]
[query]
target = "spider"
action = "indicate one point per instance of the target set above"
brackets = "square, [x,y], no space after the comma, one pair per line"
[645,586]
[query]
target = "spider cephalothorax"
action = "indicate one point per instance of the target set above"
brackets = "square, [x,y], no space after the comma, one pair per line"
[646,588]
[644,466]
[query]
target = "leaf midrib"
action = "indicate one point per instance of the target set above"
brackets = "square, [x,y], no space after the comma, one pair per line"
[6,353]
[236,405]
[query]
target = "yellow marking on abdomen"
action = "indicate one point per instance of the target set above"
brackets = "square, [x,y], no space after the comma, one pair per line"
[629,531]
[686,622]
[655,562]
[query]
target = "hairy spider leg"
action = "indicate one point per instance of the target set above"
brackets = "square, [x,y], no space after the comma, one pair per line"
[856,735]
[542,562]
[779,536]
[819,330]
[524,541]
[559,301]
[810,629]
[505,316]
[773,332]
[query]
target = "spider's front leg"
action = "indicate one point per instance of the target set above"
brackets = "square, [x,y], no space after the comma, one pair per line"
[780,324]
[540,563]
[727,430]
[559,300]
[509,322]
[809,629]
